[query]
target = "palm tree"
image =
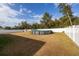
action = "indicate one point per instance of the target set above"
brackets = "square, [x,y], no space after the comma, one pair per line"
[66,10]
[35,26]
[24,25]
[46,21]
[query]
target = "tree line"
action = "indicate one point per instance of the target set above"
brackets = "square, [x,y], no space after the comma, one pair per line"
[68,19]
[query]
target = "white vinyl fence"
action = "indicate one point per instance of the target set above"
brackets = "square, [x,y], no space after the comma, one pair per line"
[72,32]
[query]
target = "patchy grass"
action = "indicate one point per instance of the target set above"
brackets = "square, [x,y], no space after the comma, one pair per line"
[4,40]
[13,45]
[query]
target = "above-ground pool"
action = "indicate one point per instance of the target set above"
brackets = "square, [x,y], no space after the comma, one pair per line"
[41,32]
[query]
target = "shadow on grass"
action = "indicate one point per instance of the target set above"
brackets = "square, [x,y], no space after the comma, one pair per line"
[20,46]
[4,40]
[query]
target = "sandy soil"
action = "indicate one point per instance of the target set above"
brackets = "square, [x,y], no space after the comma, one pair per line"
[53,44]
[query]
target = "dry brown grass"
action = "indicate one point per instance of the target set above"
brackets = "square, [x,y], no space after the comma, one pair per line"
[55,44]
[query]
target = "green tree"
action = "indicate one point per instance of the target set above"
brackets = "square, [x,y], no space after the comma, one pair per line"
[8,27]
[1,27]
[76,20]
[46,21]
[64,22]
[35,26]
[57,23]
[24,25]
[66,10]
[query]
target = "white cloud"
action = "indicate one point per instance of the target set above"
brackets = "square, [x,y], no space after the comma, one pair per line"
[9,21]
[31,21]
[37,16]
[11,4]
[76,14]
[24,10]
[6,21]
[8,15]
[6,10]
[29,11]
[21,10]
[56,4]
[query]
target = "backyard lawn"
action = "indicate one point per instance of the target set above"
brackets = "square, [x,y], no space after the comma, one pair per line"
[24,43]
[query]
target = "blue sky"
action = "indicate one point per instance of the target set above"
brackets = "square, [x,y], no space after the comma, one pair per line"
[11,14]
